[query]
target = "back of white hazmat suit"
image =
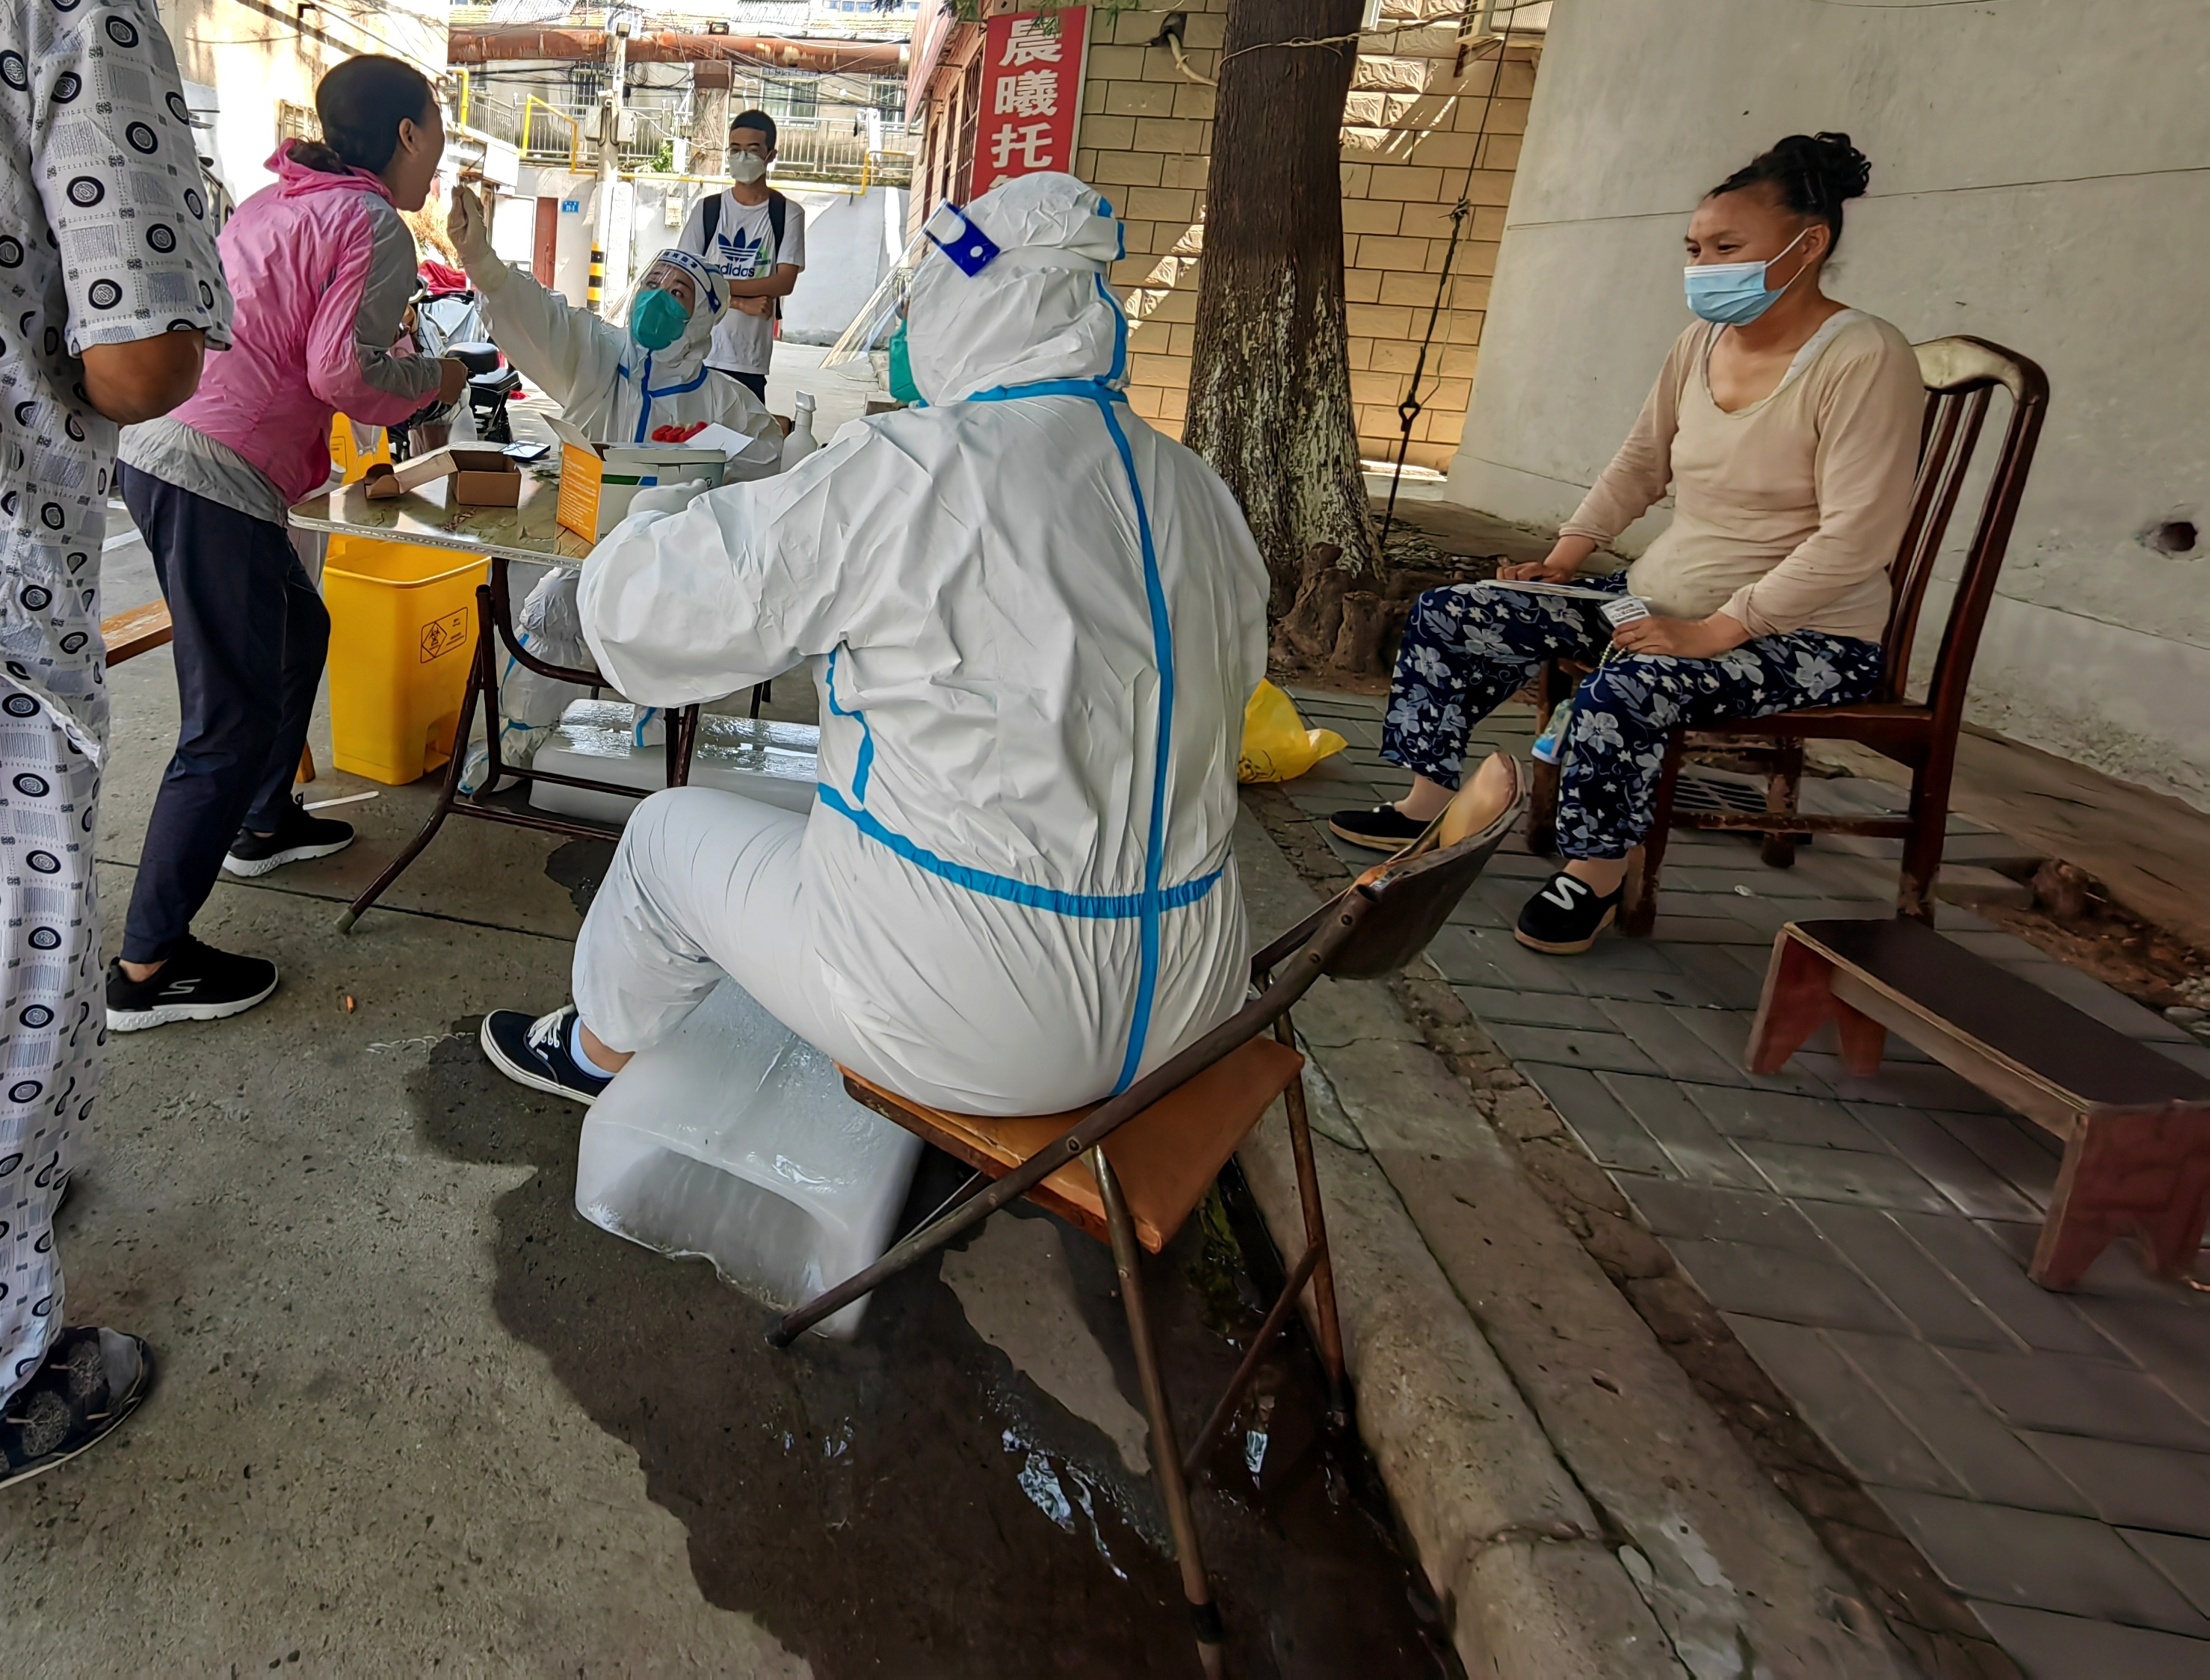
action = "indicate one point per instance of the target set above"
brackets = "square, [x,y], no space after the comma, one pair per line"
[612,386]
[1034,623]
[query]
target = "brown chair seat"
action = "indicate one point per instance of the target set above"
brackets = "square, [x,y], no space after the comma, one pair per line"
[1166,1158]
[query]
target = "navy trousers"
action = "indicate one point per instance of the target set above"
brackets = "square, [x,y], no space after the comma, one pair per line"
[251,633]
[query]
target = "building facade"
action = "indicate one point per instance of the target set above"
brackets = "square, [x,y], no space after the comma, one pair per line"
[2035,182]
[1434,116]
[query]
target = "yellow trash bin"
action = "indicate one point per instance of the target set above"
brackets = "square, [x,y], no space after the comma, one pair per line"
[350,460]
[403,633]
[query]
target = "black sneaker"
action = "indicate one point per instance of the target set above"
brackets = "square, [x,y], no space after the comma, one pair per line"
[300,835]
[1380,828]
[197,983]
[535,1053]
[91,1381]
[1566,915]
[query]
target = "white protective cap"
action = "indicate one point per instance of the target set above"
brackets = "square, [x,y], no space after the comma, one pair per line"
[1038,310]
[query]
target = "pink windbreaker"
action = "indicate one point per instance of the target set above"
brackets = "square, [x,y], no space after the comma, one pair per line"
[321,268]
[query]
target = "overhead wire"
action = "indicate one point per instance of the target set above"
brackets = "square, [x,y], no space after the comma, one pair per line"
[1410,409]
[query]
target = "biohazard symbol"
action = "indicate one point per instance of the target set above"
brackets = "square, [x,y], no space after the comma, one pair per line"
[443,635]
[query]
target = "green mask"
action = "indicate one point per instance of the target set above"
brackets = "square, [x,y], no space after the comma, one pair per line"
[657,320]
[902,386]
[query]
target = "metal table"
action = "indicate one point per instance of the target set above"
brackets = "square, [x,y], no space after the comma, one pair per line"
[529,532]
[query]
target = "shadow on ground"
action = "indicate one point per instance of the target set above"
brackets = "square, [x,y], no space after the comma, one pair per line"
[911,1504]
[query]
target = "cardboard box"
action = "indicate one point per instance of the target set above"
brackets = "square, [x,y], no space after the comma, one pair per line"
[482,477]
[598,482]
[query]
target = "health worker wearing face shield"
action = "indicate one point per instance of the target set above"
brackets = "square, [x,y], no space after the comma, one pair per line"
[626,377]
[1032,624]
[1786,426]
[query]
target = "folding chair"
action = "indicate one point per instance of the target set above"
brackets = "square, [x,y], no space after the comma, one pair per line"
[1129,1171]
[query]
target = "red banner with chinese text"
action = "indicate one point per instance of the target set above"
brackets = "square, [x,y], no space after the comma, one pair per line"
[1031,95]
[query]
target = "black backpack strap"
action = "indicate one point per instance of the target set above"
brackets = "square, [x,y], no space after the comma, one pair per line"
[713,226]
[778,215]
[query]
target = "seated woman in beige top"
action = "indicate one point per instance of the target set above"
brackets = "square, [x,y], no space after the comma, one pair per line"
[1787,427]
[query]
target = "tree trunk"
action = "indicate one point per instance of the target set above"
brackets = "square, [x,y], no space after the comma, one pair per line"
[1269,386]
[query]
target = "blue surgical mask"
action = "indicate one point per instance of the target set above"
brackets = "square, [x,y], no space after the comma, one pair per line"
[657,320]
[902,386]
[1733,293]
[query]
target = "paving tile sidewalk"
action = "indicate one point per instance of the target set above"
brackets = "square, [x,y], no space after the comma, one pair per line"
[1866,1239]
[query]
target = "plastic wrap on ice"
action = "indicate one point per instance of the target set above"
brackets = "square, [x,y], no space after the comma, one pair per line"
[732,1140]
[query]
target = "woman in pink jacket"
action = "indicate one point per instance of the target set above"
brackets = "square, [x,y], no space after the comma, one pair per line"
[321,268]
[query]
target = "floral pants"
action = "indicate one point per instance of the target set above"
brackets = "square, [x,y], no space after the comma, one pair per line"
[1469,648]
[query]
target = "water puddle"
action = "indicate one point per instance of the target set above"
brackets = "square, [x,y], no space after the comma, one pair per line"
[914,1504]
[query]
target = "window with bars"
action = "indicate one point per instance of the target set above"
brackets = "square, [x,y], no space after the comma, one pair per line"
[297,122]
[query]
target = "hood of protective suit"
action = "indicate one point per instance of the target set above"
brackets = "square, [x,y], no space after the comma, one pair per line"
[1039,310]
[684,358]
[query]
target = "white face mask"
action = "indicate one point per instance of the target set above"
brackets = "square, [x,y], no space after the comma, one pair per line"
[748,168]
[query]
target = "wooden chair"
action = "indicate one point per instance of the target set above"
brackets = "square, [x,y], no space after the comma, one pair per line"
[1129,1171]
[2136,1125]
[1962,375]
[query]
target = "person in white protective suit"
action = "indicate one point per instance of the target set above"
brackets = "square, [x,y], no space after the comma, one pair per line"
[619,380]
[1033,624]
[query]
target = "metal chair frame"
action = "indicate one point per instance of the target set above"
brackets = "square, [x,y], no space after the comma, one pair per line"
[1373,928]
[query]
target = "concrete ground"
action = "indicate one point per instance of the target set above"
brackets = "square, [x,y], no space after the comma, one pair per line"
[1864,1240]
[414,1415]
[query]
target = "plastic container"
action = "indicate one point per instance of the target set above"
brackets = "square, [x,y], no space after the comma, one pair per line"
[403,632]
[799,441]
[777,763]
[348,454]
[732,1140]
[1550,745]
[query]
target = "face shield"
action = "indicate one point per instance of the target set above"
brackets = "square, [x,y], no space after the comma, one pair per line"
[876,335]
[872,329]
[1011,282]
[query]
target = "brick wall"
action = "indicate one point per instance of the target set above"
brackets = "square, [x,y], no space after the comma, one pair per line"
[1413,141]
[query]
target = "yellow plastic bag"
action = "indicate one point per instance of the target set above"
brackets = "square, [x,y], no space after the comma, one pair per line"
[1276,745]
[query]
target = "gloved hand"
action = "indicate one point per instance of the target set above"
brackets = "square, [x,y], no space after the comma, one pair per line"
[467,225]
[667,497]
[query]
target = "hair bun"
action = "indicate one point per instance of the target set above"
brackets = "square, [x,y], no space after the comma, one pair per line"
[1835,169]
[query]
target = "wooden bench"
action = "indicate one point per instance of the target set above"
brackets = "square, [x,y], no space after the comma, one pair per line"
[2136,1125]
[141,629]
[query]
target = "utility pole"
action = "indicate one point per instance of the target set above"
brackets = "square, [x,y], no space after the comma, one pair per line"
[610,110]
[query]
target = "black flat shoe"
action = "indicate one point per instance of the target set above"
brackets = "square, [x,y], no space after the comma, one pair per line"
[1380,828]
[1565,916]
[91,1381]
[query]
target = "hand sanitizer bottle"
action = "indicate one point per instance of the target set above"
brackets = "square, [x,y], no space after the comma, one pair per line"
[801,442]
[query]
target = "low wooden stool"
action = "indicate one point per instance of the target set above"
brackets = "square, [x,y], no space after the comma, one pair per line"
[2136,1125]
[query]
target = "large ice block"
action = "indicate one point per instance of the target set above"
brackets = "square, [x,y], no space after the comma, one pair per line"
[773,763]
[732,1139]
